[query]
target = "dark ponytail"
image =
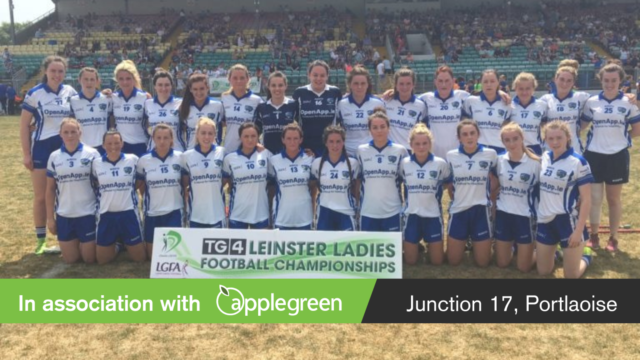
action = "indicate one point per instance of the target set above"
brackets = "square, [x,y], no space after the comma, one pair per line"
[187,99]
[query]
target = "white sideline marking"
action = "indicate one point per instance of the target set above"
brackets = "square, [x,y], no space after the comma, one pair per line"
[54,271]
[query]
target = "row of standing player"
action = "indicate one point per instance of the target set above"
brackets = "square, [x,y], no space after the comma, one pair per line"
[404,95]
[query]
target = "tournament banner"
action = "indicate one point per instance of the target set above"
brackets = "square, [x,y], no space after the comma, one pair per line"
[317,301]
[218,85]
[225,253]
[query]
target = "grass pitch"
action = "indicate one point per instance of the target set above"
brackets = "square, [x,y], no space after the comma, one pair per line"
[130,341]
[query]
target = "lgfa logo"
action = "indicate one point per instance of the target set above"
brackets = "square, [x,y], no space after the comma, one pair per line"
[233,302]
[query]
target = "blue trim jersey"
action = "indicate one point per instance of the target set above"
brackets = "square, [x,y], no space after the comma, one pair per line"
[423,185]
[518,185]
[116,185]
[568,110]
[560,180]
[530,118]
[211,108]
[128,113]
[167,113]
[72,172]
[248,201]
[610,121]
[354,118]
[271,119]
[334,184]
[316,112]
[489,115]
[93,115]
[380,179]
[470,177]
[236,112]
[162,178]
[48,107]
[206,197]
[443,116]
[402,118]
[292,203]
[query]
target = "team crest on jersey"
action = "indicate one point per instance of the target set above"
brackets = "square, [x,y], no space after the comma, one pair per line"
[484,164]
[345,174]
[174,112]
[561,173]
[128,170]
[525,177]
[103,107]
[455,104]
[176,167]
[262,162]
[331,101]
[412,113]
[211,116]
[85,161]
[137,107]
[248,108]
[288,115]
[500,112]
[537,114]
[305,167]
[572,105]
[433,174]
[622,110]
[369,112]
[392,158]
[217,162]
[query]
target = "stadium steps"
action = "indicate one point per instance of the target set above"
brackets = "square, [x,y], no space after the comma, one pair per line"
[382,50]
[600,50]
[173,39]
[359,27]
[35,80]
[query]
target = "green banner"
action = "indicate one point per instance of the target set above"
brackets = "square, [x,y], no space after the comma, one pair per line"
[184,301]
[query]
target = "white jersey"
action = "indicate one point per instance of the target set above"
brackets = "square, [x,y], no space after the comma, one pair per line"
[162,179]
[116,185]
[236,112]
[72,172]
[206,197]
[559,182]
[610,121]
[568,110]
[128,113]
[248,201]
[403,116]
[381,179]
[354,118]
[292,203]
[530,118]
[48,107]
[518,185]
[93,115]
[334,184]
[470,177]
[167,113]
[423,185]
[212,109]
[489,116]
[443,116]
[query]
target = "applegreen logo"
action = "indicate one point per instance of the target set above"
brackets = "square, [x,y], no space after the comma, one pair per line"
[230,299]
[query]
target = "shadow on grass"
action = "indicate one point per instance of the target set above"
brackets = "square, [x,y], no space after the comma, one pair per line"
[52,266]
[604,265]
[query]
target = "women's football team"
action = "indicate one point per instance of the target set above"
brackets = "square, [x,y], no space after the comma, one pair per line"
[515,169]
